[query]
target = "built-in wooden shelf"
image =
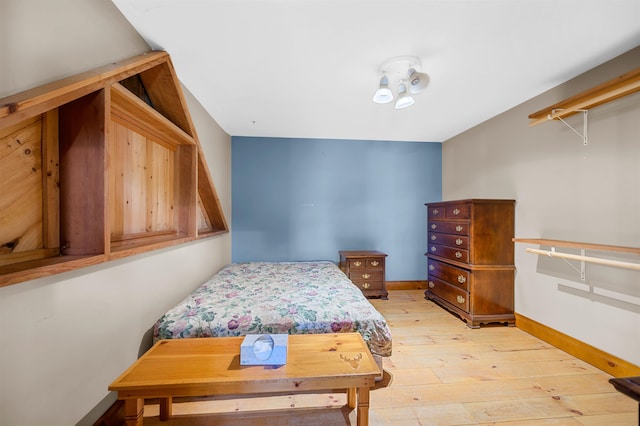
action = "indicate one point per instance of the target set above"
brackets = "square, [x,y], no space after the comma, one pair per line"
[99,166]
[582,246]
[620,86]
[579,245]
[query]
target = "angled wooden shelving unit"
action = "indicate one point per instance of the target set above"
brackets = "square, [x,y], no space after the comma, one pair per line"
[99,166]
[620,86]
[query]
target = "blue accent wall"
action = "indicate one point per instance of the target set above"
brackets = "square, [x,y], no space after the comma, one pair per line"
[306,199]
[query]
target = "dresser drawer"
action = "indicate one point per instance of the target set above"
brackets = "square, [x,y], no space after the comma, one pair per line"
[452,275]
[457,228]
[456,241]
[459,255]
[454,295]
[458,211]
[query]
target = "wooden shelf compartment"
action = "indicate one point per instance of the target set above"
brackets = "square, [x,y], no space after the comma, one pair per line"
[93,171]
[620,86]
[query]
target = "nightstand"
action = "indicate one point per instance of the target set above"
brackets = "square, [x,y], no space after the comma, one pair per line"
[365,268]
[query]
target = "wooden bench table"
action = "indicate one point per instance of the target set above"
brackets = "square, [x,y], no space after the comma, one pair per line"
[211,366]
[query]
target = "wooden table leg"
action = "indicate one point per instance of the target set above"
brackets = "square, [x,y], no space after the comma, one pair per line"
[134,411]
[166,408]
[351,397]
[362,414]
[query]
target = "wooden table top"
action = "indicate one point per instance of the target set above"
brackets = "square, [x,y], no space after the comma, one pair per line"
[211,366]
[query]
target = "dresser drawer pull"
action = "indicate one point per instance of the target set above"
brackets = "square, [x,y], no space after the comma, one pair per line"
[458,255]
[431,284]
[434,248]
[357,263]
[366,276]
[459,242]
[459,228]
[435,211]
[456,212]
[365,285]
[462,279]
[431,267]
[433,238]
[374,263]
[434,226]
[460,299]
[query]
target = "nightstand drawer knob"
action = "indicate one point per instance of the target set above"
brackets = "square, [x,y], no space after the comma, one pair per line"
[357,263]
[431,284]
[374,263]
[366,276]
[462,279]
[460,299]
[458,255]
[459,242]
[366,285]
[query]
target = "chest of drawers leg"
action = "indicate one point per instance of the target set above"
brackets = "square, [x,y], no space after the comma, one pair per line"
[366,269]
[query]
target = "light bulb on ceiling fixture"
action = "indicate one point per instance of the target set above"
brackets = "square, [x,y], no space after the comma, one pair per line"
[418,81]
[404,99]
[383,95]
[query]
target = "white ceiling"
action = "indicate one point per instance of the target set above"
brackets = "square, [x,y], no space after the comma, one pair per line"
[309,68]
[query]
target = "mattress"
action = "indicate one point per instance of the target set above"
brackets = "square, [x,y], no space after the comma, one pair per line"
[276,298]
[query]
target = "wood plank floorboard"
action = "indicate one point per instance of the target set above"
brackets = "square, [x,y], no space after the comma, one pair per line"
[442,373]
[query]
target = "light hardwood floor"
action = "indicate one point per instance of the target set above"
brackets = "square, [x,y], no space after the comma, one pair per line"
[444,373]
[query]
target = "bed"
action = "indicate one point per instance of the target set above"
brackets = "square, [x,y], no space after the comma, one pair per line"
[276,298]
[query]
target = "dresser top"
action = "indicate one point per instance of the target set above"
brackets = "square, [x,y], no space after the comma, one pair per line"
[473,201]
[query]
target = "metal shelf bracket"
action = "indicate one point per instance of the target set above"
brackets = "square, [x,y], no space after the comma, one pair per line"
[585,124]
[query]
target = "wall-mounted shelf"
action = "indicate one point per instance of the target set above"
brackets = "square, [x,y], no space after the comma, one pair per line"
[582,258]
[99,166]
[620,86]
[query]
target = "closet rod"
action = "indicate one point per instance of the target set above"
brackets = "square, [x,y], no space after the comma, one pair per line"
[600,261]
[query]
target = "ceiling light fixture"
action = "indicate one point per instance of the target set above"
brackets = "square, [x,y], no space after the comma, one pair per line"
[383,95]
[404,98]
[402,72]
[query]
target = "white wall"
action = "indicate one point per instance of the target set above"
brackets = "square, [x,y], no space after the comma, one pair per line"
[565,191]
[64,339]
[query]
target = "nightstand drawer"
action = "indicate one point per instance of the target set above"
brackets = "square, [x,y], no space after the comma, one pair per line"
[369,285]
[357,263]
[366,274]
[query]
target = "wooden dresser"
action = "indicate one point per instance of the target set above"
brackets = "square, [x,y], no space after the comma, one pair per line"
[365,268]
[470,260]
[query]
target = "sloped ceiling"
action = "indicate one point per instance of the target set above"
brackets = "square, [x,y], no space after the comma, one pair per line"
[309,68]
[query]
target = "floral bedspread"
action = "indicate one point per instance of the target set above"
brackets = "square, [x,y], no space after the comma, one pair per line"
[281,297]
